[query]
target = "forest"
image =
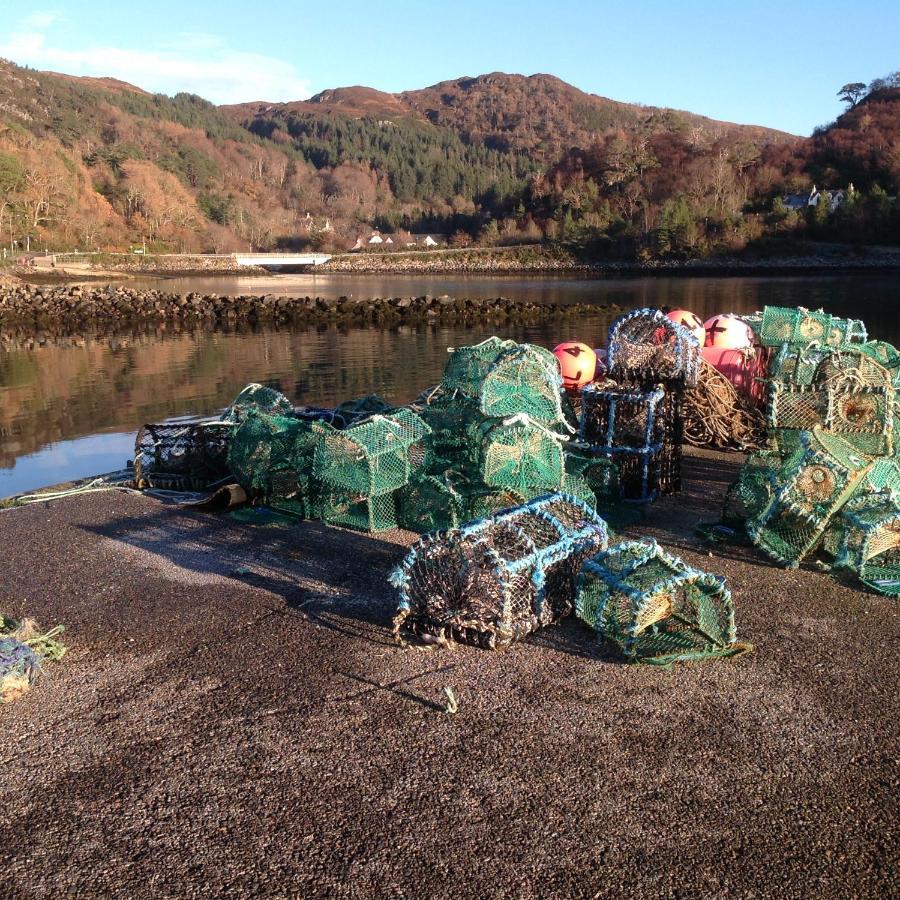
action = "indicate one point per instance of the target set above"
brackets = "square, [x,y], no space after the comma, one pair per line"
[500,159]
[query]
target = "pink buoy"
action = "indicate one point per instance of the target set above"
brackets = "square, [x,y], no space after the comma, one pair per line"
[744,367]
[691,321]
[728,332]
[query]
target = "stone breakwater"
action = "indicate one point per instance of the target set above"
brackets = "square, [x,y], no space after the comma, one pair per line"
[75,308]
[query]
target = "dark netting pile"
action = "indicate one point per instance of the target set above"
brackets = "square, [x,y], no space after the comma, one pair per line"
[500,578]
[655,607]
[182,455]
[828,478]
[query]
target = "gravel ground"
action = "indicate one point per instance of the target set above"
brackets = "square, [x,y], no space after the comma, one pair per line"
[233,718]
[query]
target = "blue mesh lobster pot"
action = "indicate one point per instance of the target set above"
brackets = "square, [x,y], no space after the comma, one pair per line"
[654,606]
[498,579]
[640,431]
[647,348]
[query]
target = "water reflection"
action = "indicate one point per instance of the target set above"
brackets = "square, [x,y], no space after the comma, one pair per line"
[55,392]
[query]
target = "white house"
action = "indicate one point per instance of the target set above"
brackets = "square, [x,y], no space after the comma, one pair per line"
[835,197]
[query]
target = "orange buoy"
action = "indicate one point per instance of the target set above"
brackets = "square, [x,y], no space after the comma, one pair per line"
[577,362]
[689,320]
[728,332]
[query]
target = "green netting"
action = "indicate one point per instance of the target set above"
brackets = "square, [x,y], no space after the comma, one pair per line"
[520,455]
[811,486]
[373,514]
[257,398]
[600,474]
[796,365]
[433,502]
[850,394]
[483,502]
[374,457]
[271,456]
[506,378]
[782,325]
[756,485]
[885,354]
[450,418]
[866,539]
[467,367]
[655,607]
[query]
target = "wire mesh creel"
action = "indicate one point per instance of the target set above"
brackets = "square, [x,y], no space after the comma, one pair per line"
[498,579]
[865,538]
[850,393]
[640,431]
[182,455]
[647,348]
[373,457]
[802,327]
[811,485]
[506,378]
[655,607]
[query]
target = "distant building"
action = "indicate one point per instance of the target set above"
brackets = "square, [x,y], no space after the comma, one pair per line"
[836,198]
[376,239]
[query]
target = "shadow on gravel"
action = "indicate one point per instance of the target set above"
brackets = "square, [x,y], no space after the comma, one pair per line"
[573,638]
[319,572]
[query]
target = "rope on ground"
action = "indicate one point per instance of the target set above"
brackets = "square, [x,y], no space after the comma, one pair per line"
[96,486]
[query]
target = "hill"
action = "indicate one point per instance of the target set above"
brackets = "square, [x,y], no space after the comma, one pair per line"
[95,162]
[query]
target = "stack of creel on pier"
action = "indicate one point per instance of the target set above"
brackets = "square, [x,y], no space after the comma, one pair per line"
[635,416]
[495,432]
[829,478]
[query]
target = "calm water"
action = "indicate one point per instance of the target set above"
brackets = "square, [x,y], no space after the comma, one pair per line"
[69,408]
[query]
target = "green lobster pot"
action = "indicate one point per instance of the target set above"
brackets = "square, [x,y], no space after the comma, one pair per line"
[373,457]
[655,607]
[520,455]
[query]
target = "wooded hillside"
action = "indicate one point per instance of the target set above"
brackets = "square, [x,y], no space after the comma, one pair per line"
[92,162]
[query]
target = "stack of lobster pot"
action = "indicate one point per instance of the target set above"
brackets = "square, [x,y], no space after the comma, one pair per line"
[634,418]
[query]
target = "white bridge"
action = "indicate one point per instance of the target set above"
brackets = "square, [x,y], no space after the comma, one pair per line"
[280,259]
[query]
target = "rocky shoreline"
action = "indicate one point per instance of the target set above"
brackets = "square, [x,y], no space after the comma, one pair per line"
[29,306]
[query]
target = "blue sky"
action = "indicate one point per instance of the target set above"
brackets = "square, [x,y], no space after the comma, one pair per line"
[772,63]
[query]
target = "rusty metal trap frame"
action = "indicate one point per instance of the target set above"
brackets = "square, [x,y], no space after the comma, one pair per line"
[655,607]
[810,486]
[498,579]
[506,378]
[640,431]
[646,348]
[801,327]
[373,457]
[865,538]
[182,455]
